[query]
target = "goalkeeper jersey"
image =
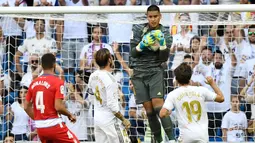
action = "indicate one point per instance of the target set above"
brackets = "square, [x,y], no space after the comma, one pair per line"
[105,89]
[147,59]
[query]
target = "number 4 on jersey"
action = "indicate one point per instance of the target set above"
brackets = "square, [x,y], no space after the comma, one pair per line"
[39,101]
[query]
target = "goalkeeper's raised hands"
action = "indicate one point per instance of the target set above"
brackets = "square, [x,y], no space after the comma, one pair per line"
[148,40]
[159,37]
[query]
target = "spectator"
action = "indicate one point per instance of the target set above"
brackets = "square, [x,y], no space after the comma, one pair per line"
[196,46]
[75,36]
[77,106]
[249,98]
[222,75]
[9,138]
[87,65]
[181,42]
[13,35]
[203,69]
[150,2]
[175,21]
[2,54]
[249,47]
[33,64]
[234,123]
[196,79]
[40,44]
[17,112]
[114,28]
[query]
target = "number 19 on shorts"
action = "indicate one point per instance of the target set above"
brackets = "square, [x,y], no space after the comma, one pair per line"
[39,101]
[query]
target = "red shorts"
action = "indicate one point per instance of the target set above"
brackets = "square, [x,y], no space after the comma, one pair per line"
[57,134]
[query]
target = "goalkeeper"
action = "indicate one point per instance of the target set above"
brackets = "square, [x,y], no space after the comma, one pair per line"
[150,46]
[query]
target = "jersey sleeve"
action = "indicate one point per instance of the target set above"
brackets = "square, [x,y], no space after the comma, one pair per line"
[209,95]
[224,123]
[112,98]
[169,103]
[23,48]
[60,90]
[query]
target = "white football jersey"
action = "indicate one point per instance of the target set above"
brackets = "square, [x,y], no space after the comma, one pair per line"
[189,104]
[105,90]
[38,46]
[79,111]
[236,123]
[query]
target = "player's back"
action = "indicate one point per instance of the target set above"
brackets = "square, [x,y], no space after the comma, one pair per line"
[43,91]
[105,89]
[189,103]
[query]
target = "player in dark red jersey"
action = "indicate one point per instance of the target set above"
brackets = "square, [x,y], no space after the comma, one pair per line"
[44,104]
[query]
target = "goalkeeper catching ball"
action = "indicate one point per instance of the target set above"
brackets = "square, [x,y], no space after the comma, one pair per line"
[150,47]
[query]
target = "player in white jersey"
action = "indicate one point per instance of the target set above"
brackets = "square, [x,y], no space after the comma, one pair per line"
[105,89]
[189,103]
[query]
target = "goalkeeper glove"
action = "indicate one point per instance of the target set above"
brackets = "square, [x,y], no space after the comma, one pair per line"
[160,37]
[147,40]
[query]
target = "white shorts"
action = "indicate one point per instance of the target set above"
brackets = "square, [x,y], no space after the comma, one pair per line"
[193,138]
[112,133]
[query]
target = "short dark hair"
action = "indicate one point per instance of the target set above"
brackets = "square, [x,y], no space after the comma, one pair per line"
[35,20]
[48,60]
[235,96]
[153,8]
[102,57]
[188,56]
[22,87]
[9,134]
[183,73]
[251,27]
[96,26]
[219,52]
[207,48]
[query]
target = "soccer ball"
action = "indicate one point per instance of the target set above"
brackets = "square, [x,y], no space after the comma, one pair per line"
[155,46]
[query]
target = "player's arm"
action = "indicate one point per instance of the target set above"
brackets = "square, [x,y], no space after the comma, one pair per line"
[167,107]
[165,45]
[219,96]
[17,56]
[135,40]
[60,107]
[28,105]
[59,104]
[224,134]
[225,126]
[112,97]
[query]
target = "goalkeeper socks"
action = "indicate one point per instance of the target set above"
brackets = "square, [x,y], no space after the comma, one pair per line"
[155,126]
[167,124]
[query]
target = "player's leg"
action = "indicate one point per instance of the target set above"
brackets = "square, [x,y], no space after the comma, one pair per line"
[156,84]
[64,135]
[115,133]
[100,135]
[142,96]
[58,134]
